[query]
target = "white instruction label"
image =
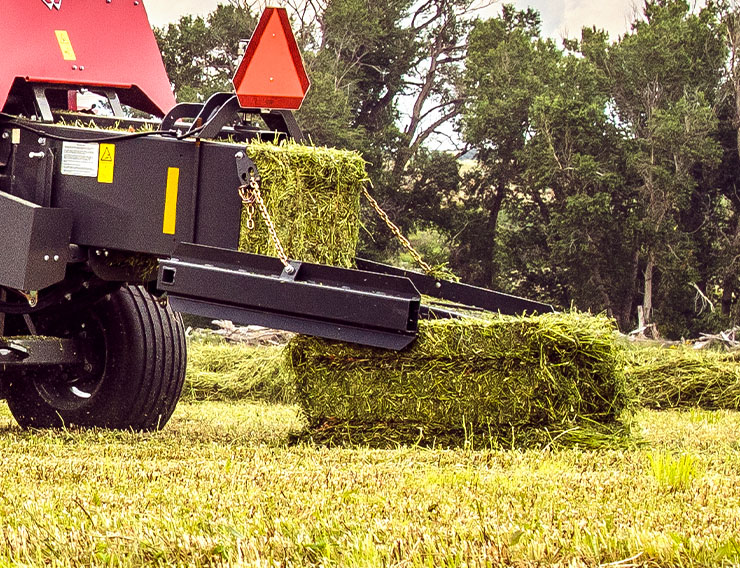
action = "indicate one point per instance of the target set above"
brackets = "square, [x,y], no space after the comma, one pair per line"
[80,159]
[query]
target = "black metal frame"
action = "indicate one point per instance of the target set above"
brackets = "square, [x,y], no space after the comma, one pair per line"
[464,294]
[331,302]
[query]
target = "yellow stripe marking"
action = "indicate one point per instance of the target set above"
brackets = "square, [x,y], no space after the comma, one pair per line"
[65,45]
[170,201]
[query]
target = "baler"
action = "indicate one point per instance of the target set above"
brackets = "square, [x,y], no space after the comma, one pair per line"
[106,234]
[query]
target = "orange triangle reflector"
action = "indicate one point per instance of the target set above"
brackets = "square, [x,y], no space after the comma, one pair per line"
[271,73]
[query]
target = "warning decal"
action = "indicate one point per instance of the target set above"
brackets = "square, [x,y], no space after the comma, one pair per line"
[106,163]
[80,159]
[65,45]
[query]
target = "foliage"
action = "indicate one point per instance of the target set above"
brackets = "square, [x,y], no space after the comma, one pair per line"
[201,55]
[613,201]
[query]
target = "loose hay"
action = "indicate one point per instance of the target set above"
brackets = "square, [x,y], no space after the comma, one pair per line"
[682,377]
[516,380]
[218,370]
[313,196]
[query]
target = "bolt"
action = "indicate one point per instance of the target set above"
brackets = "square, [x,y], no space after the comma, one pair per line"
[56,258]
[136,3]
[6,135]
[82,67]
[42,140]
[289,269]
[46,258]
[438,285]
[98,253]
[68,297]
[87,367]
[106,253]
[74,67]
[239,155]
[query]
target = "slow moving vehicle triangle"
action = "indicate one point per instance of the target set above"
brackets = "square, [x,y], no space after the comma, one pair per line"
[271,74]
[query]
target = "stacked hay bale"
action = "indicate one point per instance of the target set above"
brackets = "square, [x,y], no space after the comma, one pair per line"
[313,197]
[514,380]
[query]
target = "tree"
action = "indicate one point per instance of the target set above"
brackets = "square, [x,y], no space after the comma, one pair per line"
[507,66]
[663,77]
[201,55]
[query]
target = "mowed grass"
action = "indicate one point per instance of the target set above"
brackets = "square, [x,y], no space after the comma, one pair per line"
[222,485]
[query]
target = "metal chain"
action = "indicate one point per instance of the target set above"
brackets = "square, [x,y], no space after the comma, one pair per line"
[397,232]
[250,194]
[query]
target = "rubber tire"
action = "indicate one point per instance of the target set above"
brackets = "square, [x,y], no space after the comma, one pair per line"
[138,376]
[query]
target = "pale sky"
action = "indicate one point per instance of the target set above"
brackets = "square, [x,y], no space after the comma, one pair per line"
[560,18]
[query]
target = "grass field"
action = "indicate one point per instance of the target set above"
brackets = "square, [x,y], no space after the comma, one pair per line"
[222,485]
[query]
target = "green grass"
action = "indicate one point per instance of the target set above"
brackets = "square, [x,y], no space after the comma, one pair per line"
[221,485]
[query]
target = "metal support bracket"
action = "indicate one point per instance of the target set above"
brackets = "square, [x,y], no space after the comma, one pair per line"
[326,301]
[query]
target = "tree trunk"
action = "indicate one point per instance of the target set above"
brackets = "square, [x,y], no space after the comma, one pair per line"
[494,210]
[624,313]
[647,298]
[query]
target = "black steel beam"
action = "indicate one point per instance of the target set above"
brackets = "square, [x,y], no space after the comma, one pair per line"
[336,303]
[463,294]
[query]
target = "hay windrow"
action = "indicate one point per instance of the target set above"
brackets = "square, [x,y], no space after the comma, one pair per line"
[313,196]
[218,370]
[682,377]
[550,373]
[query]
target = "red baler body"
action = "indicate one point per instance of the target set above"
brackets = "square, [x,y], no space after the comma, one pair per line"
[90,43]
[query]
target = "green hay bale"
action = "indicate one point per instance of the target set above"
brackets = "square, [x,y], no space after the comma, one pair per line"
[313,197]
[224,371]
[683,377]
[551,373]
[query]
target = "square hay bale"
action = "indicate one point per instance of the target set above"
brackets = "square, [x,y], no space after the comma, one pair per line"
[508,378]
[313,197]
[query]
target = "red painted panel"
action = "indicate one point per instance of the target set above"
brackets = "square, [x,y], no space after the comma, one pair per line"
[95,43]
[271,73]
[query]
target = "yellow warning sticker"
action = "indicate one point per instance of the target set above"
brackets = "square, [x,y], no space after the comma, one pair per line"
[106,163]
[65,45]
[170,201]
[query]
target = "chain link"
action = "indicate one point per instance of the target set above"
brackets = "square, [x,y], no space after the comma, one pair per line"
[250,194]
[397,232]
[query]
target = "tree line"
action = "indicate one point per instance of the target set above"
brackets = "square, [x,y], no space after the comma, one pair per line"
[594,172]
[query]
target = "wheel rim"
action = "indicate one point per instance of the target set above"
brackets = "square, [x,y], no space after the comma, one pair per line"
[72,389]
